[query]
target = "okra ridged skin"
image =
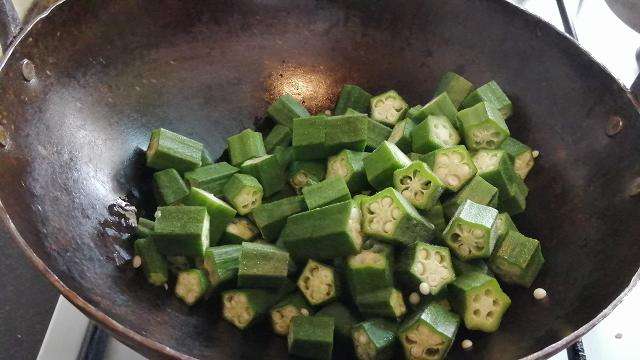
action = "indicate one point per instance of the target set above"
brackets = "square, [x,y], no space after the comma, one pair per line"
[387,303]
[376,134]
[244,192]
[280,135]
[154,263]
[413,111]
[246,145]
[496,168]
[271,218]
[284,155]
[268,171]
[370,270]
[401,134]
[168,186]
[343,320]
[220,212]
[477,190]
[221,263]
[349,165]
[435,215]
[168,150]
[375,339]
[352,97]
[311,337]
[308,138]
[493,94]
[285,109]
[431,329]
[181,230]
[440,105]
[330,191]
[191,286]
[144,228]
[382,162]
[262,266]
[246,307]
[517,260]
[435,132]
[504,224]
[469,266]
[483,127]
[206,158]
[471,233]
[345,132]
[455,86]
[211,178]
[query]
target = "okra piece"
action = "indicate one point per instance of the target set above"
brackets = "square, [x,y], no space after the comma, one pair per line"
[154,263]
[219,211]
[191,286]
[504,224]
[284,311]
[211,178]
[352,97]
[475,265]
[483,127]
[268,171]
[239,230]
[471,232]
[421,263]
[358,199]
[308,138]
[262,266]
[517,260]
[440,105]
[388,108]
[413,111]
[145,227]
[271,218]
[324,233]
[496,168]
[389,217]
[244,146]
[386,303]
[477,190]
[435,215]
[480,301]
[455,86]
[284,155]
[520,154]
[371,269]
[168,150]
[311,337]
[453,166]
[220,263]
[436,132]
[421,187]
[169,187]
[349,166]
[181,230]
[330,191]
[304,173]
[492,94]
[343,320]
[285,109]
[514,201]
[244,192]
[345,132]
[280,135]
[382,162]
[374,339]
[206,158]
[319,283]
[179,263]
[376,132]
[401,134]
[429,333]
[245,307]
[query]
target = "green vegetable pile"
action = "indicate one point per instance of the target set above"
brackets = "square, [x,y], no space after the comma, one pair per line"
[381,227]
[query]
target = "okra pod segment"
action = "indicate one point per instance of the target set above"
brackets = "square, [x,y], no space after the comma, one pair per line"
[244,192]
[475,265]
[280,135]
[245,145]
[352,97]
[311,337]
[504,224]
[191,286]
[181,230]
[220,263]
[220,212]
[421,263]
[413,111]
[345,132]
[145,227]
[483,126]
[386,303]
[308,138]
[330,191]
[421,187]
[285,109]
[471,232]
[388,108]
[206,158]
[492,94]
[268,171]
[435,132]
[245,307]
[284,155]
[343,320]
[240,229]
[477,190]
[401,134]
[376,132]
[303,173]
[382,162]
[453,166]
[371,269]
[374,339]
[496,168]
[517,260]
[520,154]
[211,178]
[284,311]
[439,105]
[319,283]
[349,165]
[168,186]
[154,263]
[435,215]
[271,218]
[455,86]
[168,150]
[429,333]
[262,265]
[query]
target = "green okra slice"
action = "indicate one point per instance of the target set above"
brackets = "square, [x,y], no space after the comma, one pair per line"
[168,150]
[246,145]
[280,135]
[389,217]
[421,263]
[374,339]
[154,263]
[435,132]
[211,178]
[239,230]
[435,215]
[376,132]
[219,211]
[517,260]
[358,199]
[306,172]
[386,303]
[220,264]
[348,165]
[371,269]
[191,286]
[455,86]
[245,307]
[145,227]
[352,97]
[308,138]
[520,154]
[319,283]
[181,230]
[262,266]
[179,263]
[324,233]
[284,155]
[388,108]
[271,218]
[206,158]
[453,166]
[267,170]
[329,191]
[311,337]
[345,132]
[480,301]
[413,111]
[477,190]
[496,168]
[483,127]
[243,192]
[382,162]
[343,320]
[490,93]
[504,224]
[168,186]
[401,134]
[471,232]
[429,333]
[439,105]
[475,265]
[421,187]
[514,201]
[285,109]
[284,311]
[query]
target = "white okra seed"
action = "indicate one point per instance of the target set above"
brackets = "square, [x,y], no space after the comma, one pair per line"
[539,293]
[304,312]
[466,344]
[424,288]
[535,153]
[137,261]
[414,298]
[327,112]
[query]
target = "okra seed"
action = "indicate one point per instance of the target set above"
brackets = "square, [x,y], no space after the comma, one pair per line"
[535,153]
[420,268]
[424,288]
[414,298]
[456,157]
[423,254]
[304,312]
[539,293]
[388,227]
[327,112]
[137,261]
[410,339]
[466,344]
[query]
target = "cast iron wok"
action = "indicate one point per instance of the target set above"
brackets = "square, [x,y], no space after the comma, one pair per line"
[107,72]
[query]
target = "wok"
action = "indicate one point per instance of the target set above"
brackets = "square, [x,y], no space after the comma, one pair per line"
[107,72]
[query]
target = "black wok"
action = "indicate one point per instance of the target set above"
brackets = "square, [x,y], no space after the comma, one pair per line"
[107,72]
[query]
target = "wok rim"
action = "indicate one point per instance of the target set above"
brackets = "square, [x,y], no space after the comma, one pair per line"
[132,337]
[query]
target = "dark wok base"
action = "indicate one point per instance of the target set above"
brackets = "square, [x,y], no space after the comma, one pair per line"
[110,71]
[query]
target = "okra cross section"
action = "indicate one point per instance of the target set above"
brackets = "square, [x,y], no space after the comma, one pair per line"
[211,178]
[245,307]
[319,283]
[388,108]
[169,187]
[455,86]
[168,150]
[422,263]
[220,213]
[262,265]
[268,171]
[480,301]
[477,190]
[285,109]
[283,312]
[330,191]
[453,166]
[520,154]
[374,339]
[471,232]
[492,94]
[496,168]
[401,134]
[181,230]
[348,165]
[244,193]
[311,337]
[436,132]
[440,105]
[517,260]
[154,263]
[305,172]
[386,303]
[220,263]
[352,97]
[389,217]
[240,229]
[272,217]
[381,163]
[245,145]
[421,187]
[191,285]
[483,126]
[429,333]
[371,269]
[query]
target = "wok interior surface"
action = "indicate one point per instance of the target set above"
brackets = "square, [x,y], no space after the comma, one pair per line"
[109,72]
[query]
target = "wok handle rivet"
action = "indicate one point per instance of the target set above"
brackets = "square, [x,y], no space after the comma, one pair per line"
[28,70]
[614,125]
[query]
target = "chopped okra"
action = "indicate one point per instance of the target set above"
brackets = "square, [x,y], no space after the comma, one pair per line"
[284,311]
[436,132]
[191,286]
[475,265]
[440,105]
[211,178]
[413,111]
[154,263]
[345,132]
[144,227]
[388,108]
[517,260]
[262,265]
[220,263]
[483,127]
[245,145]
[504,224]
[284,155]
[220,213]
[181,230]
[319,283]
[453,166]
[303,173]
[455,86]
[343,320]
[471,232]
[521,155]
[244,307]
[352,97]
[169,188]
[429,333]
[422,263]
[244,193]
[374,339]
[480,301]
[382,162]
[330,191]
[348,165]
[435,215]
[401,134]
[492,94]
[496,168]
[206,157]
[311,337]
[168,150]
[280,135]
[285,109]
[239,230]
[308,138]
[376,134]
[371,269]
[271,218]
[421,187]
[267,170]
[386,303]
[477,190]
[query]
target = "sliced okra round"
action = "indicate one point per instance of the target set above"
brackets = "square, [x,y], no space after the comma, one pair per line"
[401,134]
[243,307]
[422,263]
[429,333]
[483,127]
[154,264]
[282,313]
[303,173]
[244,192]
[370,270]
[453,166]
[521,154]
[419,185]
[240,229]
[436,132]
[517,260]
[471,232]
[382,162]
[318,283]
[348,165]
[386,303]
[374,339]
[191,285]
[388,108]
